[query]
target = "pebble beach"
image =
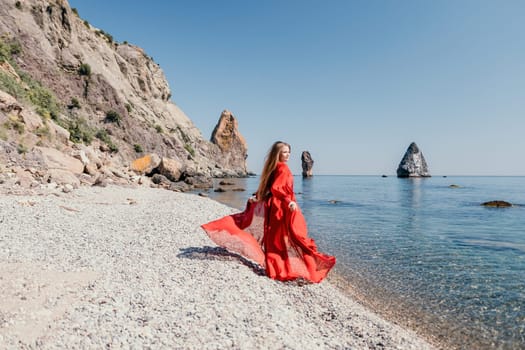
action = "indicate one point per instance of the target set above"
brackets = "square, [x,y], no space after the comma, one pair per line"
[130,268]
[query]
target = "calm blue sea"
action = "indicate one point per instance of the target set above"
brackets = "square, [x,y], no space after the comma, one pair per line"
[423,252]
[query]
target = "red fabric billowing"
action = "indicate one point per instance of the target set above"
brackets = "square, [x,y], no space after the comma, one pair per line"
[272,235]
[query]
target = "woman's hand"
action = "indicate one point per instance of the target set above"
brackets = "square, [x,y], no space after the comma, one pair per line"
[292,205]
[252,199]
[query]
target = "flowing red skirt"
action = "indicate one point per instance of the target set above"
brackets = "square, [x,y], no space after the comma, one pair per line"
[281,246]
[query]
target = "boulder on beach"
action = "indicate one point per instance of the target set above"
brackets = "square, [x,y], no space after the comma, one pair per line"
[145,164]
[413,163]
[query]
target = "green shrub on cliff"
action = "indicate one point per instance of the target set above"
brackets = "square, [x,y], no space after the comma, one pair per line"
[8,49]
[44,100]
[190,149]
[74,103]
[103,136]
[28,89]
[11,86]
[15,124]
[183,135]
[84,69]
[108,36]
[42,131]
[21,148]
[113,117]
[80,131]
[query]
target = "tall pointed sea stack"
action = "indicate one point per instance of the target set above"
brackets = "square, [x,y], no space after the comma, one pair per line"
[307,163]
[413,163]
[232,144]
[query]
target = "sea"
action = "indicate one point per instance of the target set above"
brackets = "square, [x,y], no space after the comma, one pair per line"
[422,252]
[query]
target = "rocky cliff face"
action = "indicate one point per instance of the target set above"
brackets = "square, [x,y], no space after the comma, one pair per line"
[233,147]
[68,86]
[413,163]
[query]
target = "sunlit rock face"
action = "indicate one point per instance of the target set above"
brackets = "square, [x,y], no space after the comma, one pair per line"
[413,163]
[231,143]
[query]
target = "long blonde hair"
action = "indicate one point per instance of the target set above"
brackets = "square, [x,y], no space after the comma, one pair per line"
[272,158]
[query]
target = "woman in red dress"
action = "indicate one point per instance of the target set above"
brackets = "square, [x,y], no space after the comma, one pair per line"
[272,230]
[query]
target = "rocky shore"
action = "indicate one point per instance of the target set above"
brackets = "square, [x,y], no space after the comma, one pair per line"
[123,267]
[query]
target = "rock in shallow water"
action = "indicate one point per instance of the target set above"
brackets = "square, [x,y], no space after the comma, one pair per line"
[307,163]
[413,163]
[497,204]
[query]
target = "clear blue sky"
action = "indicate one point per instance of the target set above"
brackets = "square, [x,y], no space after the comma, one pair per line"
[353,82]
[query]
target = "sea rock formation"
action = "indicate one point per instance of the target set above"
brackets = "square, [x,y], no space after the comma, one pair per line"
[413,163]
[307,163]
[231,143]
[497,204]
[67,85]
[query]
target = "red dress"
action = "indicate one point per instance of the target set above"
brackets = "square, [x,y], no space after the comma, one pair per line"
[272,235]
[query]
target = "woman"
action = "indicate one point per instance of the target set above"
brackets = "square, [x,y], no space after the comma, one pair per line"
[272,230]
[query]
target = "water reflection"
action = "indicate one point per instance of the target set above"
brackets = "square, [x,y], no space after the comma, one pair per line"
[233,191]
[411,191]
[305,195]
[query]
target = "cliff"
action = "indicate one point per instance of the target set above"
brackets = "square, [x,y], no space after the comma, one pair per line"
[68,86]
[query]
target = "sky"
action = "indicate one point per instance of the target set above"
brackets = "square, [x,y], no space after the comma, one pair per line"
[352,82]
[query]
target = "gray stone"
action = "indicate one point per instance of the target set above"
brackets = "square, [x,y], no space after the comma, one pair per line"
[307,163]
[413,163]
[159,179]
[63,177]
[54,159]
[171,168]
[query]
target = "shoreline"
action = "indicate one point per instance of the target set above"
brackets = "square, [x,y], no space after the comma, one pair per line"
[148,276]
[406,318]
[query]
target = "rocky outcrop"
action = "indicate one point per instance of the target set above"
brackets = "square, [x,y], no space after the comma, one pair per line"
[227,137]
[146,165]
[69,86]
[173,169]
[54,159]
[413,163]
[497,204]
[8,103]
[307,163]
